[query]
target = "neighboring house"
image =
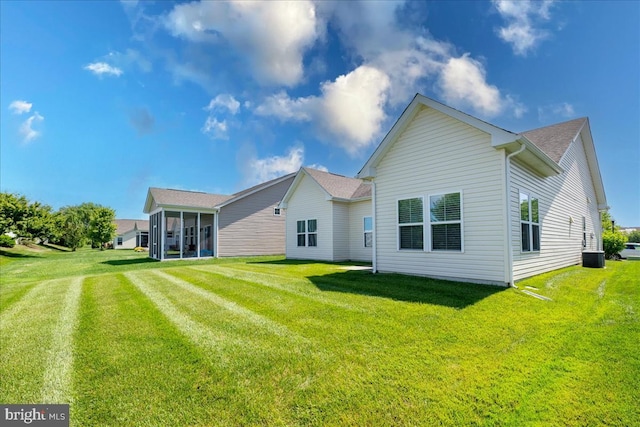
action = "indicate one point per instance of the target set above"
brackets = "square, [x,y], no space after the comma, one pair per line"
[131,233]
[328,217]
[188,224]
[455,197]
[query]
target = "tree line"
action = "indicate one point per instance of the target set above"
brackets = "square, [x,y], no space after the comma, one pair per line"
[70,226]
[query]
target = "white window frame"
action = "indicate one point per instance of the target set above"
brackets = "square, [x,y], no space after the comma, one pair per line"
[429,234]
[584,231]
[306,233]
[409,224]
[529,222]
[276,212]
[367,231]
[119,241]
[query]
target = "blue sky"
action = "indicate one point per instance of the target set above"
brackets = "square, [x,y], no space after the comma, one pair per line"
[101,100]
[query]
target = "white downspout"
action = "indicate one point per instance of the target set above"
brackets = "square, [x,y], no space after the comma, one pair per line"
[509,219]
[374,250]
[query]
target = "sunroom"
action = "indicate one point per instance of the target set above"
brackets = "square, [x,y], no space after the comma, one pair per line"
[182,224]
[181,234]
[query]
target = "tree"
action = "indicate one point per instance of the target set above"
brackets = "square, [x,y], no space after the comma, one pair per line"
[634,236]
[24,218]
[71,229]
[102,227]
[13,210]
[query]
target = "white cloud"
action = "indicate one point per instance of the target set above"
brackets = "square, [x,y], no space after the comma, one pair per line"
[20,107]
[226,101]
[562,110]
[272,35]
[27,128]
[319,167]
[349,112]
[102,68]
[522,23]
[261,170]
[215,129]
[353,107]
[462,83]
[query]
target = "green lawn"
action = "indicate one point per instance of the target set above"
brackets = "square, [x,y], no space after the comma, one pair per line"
[263,341]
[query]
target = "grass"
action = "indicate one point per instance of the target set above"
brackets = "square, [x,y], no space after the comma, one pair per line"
[265,341]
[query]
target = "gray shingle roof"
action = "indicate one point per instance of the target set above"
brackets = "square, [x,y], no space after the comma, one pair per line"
[165,196]
[340,186]
[125,225]
[555,139]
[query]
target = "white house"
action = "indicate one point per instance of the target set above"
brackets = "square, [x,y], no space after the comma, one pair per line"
[131,233]
[190,224]
[455,197]
[328,217]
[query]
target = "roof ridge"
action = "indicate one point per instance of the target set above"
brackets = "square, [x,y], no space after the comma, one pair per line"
[554,124]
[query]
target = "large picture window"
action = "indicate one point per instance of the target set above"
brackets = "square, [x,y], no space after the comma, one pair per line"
[368,231]
[445,213]
[529,223]
[307,232]
[410,223]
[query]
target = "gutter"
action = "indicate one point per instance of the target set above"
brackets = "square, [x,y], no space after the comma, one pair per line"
[374,249]
[509,219]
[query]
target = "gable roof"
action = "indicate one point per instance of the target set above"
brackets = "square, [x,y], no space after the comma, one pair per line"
[181,198]
[259,187]
[166,197]
[336,187]
[554,140]
[125,225]
[544,147]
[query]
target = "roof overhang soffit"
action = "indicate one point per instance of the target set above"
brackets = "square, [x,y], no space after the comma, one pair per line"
[532,157]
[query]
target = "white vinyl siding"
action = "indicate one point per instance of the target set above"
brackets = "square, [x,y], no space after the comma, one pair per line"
[340,237]
[309,201]
[357,212]
[563,200]
[437,152]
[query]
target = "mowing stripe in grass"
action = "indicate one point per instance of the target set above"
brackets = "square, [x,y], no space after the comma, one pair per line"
[195,331]
[25,301]
[231,306]
[57,375]
[27,330]
[274,281]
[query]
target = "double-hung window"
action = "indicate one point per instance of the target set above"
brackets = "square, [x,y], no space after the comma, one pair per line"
[584,232]
[410,223]
[368,231]
[446,222]
[529,223]
[307,232]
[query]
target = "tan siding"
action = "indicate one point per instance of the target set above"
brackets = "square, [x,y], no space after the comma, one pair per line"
[436,154]
[568,195]
[309,202]
[357,212]
[249,227]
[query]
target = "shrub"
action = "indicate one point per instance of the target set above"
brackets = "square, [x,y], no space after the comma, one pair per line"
[139,249]
[7,241]
[613,242]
